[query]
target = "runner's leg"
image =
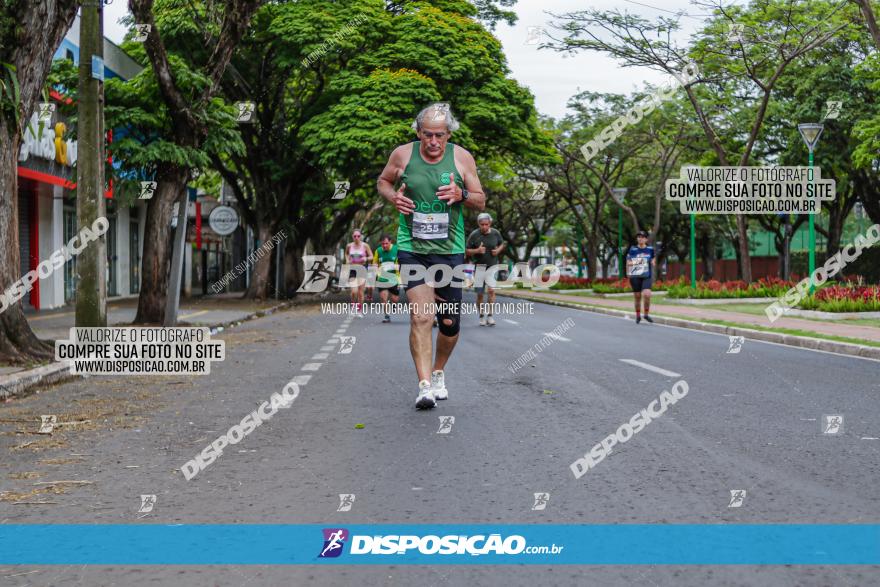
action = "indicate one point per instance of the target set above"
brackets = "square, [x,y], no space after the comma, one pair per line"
[421,297]
[489,319]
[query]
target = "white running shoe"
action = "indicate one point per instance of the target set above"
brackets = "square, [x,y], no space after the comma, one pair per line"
[438,385]
[490,321]
[425,401]
[482,321]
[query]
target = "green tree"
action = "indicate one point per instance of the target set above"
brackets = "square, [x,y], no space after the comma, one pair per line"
[738,76]
[188,48]
[336,87]
[24,66]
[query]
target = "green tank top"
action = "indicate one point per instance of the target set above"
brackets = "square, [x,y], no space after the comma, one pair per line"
[434,227]
[382,257]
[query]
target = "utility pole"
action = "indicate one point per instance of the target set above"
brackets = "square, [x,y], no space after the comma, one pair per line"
[91,264]
[172,302]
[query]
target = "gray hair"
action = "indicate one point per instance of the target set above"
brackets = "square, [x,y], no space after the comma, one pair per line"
[440,109]
[484,216]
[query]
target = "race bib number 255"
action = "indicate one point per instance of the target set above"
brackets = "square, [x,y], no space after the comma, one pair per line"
[430,226]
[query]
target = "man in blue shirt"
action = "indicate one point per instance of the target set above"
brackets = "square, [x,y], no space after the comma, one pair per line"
[640,265]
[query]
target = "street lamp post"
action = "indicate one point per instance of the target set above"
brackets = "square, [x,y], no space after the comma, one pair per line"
[693,237]
[810,132]
[619,195]
[510,236]
[580,237]
[539,222]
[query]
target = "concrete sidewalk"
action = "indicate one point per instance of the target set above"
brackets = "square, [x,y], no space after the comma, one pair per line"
[218,311]
[202,311]
[698,313]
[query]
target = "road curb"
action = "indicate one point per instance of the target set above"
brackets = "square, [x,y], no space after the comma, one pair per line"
[15,384]
[819,344]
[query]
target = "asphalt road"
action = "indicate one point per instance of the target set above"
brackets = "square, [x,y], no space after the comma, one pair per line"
[751,420]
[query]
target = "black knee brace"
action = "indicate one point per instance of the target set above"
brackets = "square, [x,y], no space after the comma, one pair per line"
[449,329]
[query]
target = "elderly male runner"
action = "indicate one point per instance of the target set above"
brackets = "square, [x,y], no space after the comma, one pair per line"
[437,178]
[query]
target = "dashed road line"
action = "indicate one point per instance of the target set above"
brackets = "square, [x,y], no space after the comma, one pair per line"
[555,336]
[659,370]
[311,366]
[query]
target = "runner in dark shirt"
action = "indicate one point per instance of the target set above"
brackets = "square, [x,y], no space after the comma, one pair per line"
[483,246]
[640,265]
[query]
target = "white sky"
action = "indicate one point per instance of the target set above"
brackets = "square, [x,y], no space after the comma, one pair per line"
[552,78]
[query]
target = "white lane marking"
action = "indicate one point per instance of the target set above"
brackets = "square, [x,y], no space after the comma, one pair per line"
[333,341]
[311,366]
[319,356]
[725,335]
[808,419]
[510,321]
[557,337]
[869,438]
[650,367]
[328,347]
[301,379]
[340,331]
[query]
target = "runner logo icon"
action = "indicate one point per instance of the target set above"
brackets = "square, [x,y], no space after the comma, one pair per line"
[334,540]
[737,498]
[346,500]
[736,343]
[541,500]
[832,424]
[319,269]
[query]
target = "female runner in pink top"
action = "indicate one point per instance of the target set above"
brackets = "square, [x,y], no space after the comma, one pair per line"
[357,253]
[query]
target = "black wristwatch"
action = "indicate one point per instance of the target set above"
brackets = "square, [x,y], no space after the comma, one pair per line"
[464,194]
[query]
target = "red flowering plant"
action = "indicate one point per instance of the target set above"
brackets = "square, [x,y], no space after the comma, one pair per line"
[622,285]
[844,297]
[765,287]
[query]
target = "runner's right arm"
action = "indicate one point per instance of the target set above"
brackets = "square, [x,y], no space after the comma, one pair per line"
[473,245]
[389,176]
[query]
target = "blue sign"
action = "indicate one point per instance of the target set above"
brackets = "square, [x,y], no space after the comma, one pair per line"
[97,68]
[440,544]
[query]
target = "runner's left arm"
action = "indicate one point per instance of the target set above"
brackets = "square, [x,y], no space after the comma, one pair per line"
[500,248]
[452,193]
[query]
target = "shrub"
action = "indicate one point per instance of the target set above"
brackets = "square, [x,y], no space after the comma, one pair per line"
[622,286]
[844,298]
[764,287]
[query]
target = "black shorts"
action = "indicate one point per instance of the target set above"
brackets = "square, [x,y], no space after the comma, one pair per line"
[449,292]
[640,283]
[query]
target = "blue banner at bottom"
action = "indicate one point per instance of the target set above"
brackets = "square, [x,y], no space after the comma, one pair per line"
[429,544]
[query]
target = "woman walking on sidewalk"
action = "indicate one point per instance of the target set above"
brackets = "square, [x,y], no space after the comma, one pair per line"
[640,264]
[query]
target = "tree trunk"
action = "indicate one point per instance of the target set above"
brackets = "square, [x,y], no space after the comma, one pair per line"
[744,257]
[18,343]
[592,259]
[39,27]
[260,278]
[738,251]
[157,247]
[293,268]
[835,229]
